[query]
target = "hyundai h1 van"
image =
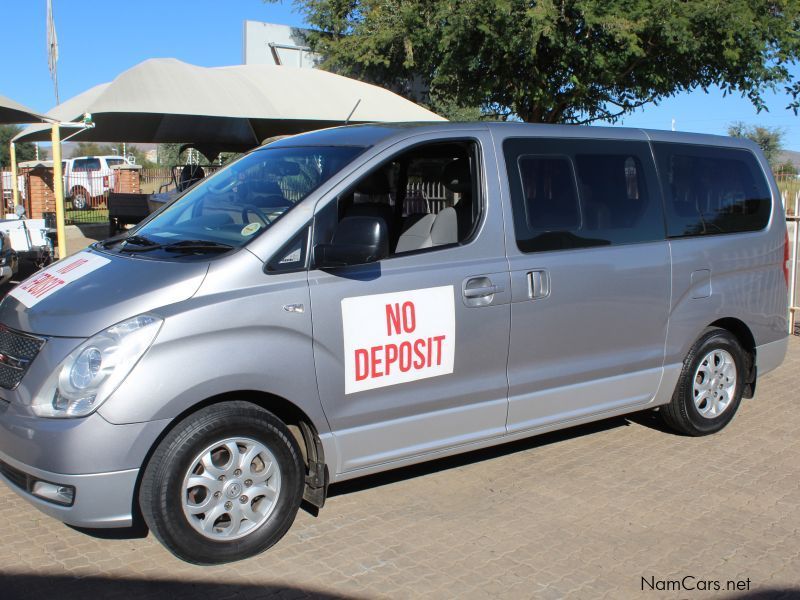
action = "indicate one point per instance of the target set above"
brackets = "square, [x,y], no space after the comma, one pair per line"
[356,299]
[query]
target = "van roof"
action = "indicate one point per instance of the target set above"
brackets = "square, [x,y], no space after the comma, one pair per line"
[373,134]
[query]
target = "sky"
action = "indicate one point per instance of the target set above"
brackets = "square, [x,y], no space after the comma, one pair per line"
[100,39]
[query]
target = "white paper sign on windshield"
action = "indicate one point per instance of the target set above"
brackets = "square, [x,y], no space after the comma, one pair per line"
[398,337]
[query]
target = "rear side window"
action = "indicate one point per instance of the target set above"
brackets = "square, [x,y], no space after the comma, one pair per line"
[711,190]
[112,162]
[582,193]
[86,164]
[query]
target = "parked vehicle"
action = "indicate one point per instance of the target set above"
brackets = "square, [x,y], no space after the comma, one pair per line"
[88,178]
[9,261]
[29,241]
[340,303]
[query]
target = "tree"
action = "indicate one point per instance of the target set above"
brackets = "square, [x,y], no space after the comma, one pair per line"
[572,61]
[91,149]
[769,139]
[25,151]
[786,169]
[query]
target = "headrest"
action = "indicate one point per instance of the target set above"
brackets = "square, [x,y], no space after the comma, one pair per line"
[375,183]
[456,177]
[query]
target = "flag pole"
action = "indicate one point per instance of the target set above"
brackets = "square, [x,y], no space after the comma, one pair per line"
[52,48]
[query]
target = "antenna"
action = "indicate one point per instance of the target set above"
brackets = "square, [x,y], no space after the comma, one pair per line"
[347,120]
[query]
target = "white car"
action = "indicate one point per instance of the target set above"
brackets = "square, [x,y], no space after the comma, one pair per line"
[88,178]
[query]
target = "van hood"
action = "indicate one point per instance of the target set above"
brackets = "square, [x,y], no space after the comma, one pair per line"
[89,291]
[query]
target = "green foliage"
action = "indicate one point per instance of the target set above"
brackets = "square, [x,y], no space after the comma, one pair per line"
[169,155]
[92,149]
[552,61]
[25,151]
[769,139]
[139,156]
[786,168]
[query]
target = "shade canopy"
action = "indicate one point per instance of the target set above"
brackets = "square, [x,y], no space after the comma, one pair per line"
[225,108]
[14,112]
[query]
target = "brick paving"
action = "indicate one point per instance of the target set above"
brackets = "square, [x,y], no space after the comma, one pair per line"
[585,513]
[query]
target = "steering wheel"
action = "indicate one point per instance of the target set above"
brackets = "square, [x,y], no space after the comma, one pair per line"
[249,208]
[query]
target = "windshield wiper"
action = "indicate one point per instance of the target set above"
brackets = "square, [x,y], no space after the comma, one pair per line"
[138,243]
[197,246]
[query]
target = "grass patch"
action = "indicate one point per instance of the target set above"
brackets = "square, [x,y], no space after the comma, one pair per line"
[90,215]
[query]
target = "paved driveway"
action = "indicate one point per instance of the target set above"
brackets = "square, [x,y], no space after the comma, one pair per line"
[598,511]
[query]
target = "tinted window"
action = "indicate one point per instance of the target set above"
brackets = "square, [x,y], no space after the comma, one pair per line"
[86,164]
[712,190]
[582,193]
[114,161]
[550,199]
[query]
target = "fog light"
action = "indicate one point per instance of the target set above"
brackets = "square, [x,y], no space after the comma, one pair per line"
[53,492]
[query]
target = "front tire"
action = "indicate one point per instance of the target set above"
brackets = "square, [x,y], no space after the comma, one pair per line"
[225,484]
[710,386]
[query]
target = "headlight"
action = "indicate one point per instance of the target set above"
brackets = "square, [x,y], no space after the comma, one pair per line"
[91,373]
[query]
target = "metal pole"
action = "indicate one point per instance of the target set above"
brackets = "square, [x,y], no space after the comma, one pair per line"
[58,191]
[793,276]
[14,177]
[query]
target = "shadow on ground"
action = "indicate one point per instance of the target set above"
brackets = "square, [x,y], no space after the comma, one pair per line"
[769,594]
[30,587]
[468,458]
[25,586]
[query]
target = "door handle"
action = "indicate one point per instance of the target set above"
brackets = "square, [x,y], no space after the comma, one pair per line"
[538,284]
[481,292]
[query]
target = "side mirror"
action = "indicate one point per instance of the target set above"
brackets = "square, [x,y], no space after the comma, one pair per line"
[356,241]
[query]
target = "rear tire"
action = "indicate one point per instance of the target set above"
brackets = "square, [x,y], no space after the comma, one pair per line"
[80,198]
[203,495]
[710,385]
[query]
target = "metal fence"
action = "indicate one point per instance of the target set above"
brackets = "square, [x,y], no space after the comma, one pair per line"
[7,191]
[163,180]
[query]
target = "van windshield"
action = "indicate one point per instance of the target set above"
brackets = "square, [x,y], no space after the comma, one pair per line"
[236,204]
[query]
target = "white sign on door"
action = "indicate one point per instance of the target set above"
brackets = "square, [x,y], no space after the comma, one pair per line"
[398,337]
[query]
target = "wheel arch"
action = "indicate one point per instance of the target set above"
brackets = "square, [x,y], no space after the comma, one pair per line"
[744,336]
[301,426]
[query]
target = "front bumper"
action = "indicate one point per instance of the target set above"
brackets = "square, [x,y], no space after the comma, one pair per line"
[101,499]
[100,460]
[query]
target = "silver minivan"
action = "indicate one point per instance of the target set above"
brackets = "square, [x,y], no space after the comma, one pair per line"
[357,299]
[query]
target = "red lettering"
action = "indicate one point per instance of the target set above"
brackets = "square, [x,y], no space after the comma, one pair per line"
[375,361]
[42,284]
[429,352]
[362,364]
[419,361]
[72,265]
[391,356]
[409,317]
[392,319]
[438,339]
[405,356]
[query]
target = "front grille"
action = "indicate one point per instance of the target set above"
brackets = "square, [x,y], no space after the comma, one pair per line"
[15,476]
[17,351]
